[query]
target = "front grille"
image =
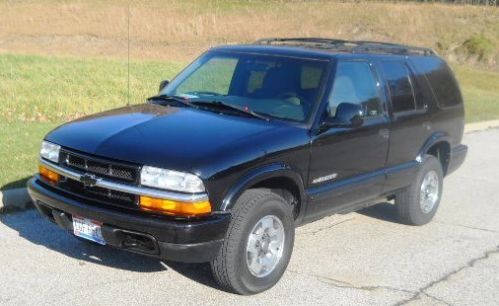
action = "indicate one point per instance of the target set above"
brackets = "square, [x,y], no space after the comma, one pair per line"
[100,194]
[116,171]
[100,167]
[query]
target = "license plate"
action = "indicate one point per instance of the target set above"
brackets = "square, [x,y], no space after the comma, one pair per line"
[88,229]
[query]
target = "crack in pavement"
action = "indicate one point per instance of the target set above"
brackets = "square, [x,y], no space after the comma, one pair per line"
[416,295]
[469,227]
[312,233]
[346,285]
[471,263]
[436,299]
[343,284]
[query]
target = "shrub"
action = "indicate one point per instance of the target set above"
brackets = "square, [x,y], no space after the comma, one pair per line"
[479,47]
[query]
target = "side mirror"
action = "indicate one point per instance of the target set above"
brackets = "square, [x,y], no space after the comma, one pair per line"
[163,84]
[348,115]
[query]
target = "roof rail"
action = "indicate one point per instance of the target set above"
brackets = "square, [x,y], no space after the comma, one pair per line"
[353,46]
[268,41]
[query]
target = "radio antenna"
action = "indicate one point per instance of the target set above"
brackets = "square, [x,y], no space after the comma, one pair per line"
[128,53]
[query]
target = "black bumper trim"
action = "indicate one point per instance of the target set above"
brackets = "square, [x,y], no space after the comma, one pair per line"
[179,240]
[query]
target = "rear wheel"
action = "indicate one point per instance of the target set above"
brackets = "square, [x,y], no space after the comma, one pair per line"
[258,245]
[418,203]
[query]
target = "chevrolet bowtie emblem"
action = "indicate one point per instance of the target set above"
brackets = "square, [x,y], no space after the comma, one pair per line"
[88,180]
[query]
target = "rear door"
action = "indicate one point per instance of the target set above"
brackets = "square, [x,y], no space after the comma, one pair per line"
[410,125]
[347,163]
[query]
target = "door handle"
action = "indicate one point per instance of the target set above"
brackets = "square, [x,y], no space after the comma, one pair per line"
[385,133]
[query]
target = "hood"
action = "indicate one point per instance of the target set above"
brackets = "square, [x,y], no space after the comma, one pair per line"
[177,138]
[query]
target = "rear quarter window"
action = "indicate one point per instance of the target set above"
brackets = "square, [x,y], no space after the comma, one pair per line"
[441,79]
[398,79]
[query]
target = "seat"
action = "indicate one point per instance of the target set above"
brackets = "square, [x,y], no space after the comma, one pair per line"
[277,81]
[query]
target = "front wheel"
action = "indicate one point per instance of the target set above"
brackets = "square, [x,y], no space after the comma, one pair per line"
[258,244]
[418,203]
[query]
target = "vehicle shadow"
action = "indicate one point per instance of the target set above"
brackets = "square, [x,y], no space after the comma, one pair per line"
[198,272]
[15,184]
[382,211]
[36,229]
[14,196]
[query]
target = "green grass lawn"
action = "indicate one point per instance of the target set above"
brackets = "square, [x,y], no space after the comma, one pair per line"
[48,89]
[481,93]
[19,147]
[37,92]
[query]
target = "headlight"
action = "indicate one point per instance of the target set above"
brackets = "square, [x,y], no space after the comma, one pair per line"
[50,151]
[171,180]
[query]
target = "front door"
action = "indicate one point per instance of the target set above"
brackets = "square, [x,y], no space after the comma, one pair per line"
[347,163]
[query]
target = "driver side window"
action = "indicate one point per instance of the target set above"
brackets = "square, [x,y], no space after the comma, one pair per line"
[354,83]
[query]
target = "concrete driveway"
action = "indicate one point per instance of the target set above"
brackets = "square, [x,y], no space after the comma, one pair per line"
[359,258]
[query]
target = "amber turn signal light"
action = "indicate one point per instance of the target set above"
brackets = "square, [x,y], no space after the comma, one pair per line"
[48,174]
[175,208]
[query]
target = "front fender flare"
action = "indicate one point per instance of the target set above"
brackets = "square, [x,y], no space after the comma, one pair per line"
[254,176]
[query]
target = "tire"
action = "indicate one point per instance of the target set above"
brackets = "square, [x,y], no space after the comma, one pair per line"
[410,209]
[231,268]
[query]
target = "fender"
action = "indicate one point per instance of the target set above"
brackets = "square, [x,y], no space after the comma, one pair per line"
[433,139]
[260,174]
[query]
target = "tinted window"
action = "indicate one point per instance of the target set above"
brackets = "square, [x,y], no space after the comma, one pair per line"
[214,76]
[354,83]
[441,80]
[257,71]
[310,76]
[275,86]
[399,83]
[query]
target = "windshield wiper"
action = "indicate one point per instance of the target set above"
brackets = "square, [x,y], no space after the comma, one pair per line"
[227,106]
[171,100]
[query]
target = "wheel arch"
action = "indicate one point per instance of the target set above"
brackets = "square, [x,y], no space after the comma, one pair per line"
[438,145]
[277,177]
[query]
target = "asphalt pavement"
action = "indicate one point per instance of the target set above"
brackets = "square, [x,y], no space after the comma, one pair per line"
[363,258]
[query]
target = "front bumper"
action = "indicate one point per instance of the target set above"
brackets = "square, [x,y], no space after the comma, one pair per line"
[178,240]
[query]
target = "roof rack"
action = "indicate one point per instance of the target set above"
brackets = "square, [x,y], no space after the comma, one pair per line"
[353,46]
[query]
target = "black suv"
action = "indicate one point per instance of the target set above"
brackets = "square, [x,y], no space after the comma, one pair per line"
[250,141]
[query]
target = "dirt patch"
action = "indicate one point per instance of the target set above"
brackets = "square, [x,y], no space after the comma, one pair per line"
[180,30]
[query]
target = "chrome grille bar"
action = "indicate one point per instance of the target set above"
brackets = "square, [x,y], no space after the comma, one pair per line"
[103,183]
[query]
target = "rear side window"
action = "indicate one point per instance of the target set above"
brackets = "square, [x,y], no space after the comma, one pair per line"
[441,80]
[399,83]
[354,83]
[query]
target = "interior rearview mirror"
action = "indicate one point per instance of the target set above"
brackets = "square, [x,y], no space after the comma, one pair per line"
[347,115]
[163,84]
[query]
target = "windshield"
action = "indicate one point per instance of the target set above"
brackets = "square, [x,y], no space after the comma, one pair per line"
[274,86]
